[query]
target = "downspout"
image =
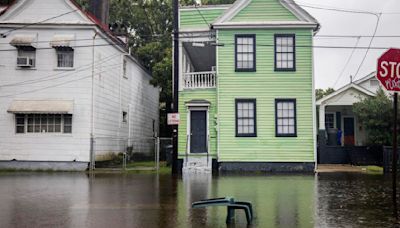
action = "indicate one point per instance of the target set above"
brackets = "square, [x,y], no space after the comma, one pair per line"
[119,95]
[217,85]
[92,154]
[129,124]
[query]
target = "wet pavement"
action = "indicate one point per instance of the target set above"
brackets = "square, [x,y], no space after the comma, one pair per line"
[150,200]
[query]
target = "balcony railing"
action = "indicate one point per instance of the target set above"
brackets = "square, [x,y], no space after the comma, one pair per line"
[200,80]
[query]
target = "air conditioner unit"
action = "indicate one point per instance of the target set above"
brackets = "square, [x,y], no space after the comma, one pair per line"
[25,62]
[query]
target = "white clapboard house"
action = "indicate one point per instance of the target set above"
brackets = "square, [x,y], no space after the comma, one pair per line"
[66,81]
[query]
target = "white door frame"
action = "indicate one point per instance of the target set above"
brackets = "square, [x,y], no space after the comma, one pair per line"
[188,127]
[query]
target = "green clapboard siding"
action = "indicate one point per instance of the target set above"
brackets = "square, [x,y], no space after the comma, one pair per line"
[187,95]
[265,85]
[192,19]
[264,10]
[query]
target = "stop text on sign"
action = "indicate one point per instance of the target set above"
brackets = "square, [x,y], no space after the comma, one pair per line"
[391,69]
[388,70]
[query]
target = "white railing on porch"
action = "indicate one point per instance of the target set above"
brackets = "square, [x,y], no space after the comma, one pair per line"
[194,80]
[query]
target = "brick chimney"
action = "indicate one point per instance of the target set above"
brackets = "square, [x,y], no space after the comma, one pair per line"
[100,9]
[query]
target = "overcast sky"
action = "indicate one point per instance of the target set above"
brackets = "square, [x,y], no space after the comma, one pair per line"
[329,63]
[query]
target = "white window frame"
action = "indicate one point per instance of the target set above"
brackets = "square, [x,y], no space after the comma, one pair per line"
[60,51]
[28,53]
[62,124]
[124,68]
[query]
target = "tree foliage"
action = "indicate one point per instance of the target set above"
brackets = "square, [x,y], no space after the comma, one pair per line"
[320,93]
[375,114]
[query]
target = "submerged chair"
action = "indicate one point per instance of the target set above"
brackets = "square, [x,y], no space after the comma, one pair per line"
[231,204]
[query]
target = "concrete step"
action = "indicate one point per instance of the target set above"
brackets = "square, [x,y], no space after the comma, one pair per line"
[197,164]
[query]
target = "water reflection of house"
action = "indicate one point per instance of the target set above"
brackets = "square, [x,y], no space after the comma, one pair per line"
[278,200]
[336,114]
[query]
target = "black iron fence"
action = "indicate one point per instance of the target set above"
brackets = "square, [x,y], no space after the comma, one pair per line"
[355,155]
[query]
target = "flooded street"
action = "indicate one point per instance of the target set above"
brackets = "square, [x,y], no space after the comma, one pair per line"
[150,200]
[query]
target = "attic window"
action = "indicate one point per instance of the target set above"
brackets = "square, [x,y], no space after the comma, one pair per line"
[26,56]
[124,73]
[65,57]
[374,83]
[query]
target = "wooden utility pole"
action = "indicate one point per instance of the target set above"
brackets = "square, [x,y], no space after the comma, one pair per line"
[175,8]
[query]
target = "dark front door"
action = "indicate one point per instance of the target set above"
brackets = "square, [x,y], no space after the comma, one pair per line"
[348,133]
[198,131]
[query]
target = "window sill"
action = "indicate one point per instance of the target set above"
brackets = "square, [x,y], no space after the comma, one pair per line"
[285,69]
[64,69]
[25,68]
[245,70]
[44,134]
[246,136]
[290,136]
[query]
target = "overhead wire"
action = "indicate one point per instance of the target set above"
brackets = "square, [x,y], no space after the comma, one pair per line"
[369,45]
[52,86]
[345,65]
[35,23]
[64,73]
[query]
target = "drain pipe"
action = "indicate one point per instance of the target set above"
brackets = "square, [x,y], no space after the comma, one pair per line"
[92,153]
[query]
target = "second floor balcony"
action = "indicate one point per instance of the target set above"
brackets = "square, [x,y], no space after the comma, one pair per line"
[197,64]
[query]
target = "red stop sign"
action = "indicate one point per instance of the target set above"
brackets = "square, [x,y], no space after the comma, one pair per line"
[388,72]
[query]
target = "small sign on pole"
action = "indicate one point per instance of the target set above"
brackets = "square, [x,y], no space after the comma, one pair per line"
[388,73]
[173,119]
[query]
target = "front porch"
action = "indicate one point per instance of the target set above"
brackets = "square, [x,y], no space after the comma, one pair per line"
[338,126]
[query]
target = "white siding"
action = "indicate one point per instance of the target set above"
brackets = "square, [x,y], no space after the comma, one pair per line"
[113,93]
[44,82]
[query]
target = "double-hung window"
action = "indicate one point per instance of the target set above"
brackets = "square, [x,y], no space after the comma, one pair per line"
[245,53]
[285,117]
[65,57]
[246,118]
[285,53]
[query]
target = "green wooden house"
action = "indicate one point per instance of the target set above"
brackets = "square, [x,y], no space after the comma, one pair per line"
[246,99]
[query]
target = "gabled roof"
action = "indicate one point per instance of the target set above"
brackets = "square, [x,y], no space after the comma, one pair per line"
[365,78]
[343,89]
[88,19]
[304,19]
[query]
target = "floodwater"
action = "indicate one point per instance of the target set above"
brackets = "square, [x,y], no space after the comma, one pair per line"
[150,200]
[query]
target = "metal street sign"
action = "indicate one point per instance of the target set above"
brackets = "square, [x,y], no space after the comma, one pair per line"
[173,119]
[388,72]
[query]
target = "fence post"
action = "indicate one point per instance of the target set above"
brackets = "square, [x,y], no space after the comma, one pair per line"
[158,154]
[92,154]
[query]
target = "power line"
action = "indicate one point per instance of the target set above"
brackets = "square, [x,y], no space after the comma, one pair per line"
[51,86]
[205,21]
[331,8]
[35,23]
[197,36]
[369,45]
[345,66]
[75,46]
[87,66]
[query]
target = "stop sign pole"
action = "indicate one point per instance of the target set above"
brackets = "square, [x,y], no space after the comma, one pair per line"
[388,73]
